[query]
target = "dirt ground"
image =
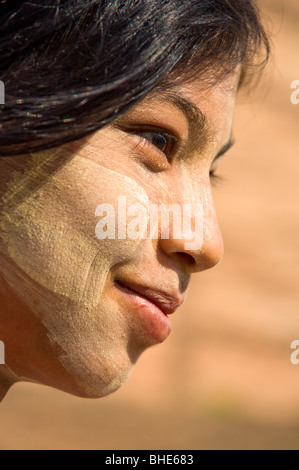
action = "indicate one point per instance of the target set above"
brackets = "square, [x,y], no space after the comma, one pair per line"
[224,379]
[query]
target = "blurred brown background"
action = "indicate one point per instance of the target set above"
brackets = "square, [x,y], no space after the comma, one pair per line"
[224,379]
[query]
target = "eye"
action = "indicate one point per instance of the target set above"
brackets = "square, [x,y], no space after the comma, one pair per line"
[162,140]
[215,178]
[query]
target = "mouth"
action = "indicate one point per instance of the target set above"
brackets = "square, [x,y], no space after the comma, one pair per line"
[151,306]
[166,302]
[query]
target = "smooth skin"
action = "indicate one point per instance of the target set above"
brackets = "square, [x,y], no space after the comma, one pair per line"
[63,322]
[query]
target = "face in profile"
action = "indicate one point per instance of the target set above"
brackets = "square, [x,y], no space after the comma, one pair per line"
[77,311]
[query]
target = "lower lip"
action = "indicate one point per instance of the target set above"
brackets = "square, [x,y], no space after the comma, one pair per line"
[154,321]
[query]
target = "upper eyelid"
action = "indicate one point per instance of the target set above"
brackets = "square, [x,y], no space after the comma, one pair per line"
[142,121]
[153,128]
[135,129]
[176,141]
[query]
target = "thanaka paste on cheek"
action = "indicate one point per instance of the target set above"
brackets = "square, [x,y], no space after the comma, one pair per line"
[50,233]
[53,261]
[48,230]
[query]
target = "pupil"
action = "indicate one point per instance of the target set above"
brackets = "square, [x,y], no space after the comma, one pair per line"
[160,141]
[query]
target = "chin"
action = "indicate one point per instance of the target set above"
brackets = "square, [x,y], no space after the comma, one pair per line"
[96,380]
[96,389]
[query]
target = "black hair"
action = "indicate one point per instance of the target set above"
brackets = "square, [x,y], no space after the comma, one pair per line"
[72,66]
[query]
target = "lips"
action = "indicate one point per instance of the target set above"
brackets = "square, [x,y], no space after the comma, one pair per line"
[168,303]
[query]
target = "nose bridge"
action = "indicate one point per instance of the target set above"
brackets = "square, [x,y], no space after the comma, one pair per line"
[206,249]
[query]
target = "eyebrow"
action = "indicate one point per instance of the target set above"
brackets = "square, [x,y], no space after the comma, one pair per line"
[199,128]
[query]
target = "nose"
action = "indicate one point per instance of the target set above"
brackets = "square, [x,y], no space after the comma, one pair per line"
[197,257]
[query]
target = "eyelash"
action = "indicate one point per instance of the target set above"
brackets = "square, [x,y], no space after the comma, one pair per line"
[216,179]
[171,142]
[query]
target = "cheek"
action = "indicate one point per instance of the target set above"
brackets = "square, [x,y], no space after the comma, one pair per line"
[50,232]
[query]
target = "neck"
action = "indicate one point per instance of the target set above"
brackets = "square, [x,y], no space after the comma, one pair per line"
[7,380]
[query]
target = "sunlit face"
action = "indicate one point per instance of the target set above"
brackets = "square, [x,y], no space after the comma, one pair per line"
[76,312]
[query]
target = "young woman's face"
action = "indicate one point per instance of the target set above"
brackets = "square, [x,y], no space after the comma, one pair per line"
[77,310]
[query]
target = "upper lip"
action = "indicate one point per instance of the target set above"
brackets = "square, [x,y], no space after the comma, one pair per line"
[166,301]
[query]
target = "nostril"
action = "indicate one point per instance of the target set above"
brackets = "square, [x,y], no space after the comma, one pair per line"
[186,259]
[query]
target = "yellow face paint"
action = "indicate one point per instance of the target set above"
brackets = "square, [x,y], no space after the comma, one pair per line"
[70,310]
[48,228]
